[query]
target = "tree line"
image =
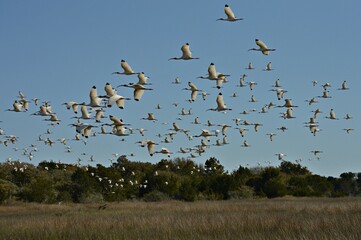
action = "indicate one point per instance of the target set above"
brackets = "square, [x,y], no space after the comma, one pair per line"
[180,179]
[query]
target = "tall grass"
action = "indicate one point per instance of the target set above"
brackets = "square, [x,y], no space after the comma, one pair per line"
[296,218]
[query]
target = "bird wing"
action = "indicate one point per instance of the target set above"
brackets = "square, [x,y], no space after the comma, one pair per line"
[186,51]
[228,11]
[138,93]
[127,69]
[220,102]
[212,73]
[194,95]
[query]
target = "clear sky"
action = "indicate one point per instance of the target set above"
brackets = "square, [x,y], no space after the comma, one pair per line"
[57,50]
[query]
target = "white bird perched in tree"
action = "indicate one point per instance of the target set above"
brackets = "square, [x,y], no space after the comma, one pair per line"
[314,82]
[126,67]
[138,90]
[230,15]
[332,115]
[220,104]
[186,53]
[194,91]
[262,47]
[214,75]
[343,86]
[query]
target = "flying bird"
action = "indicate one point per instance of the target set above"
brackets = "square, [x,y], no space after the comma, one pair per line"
[186,53]
[262,47]
[230,15]
[126,67]
[220,104]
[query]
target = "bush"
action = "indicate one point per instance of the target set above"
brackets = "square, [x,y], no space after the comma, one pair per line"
[274,188]
[40,189]
[7,189]
[243,192]
[91,198]
[187,191]
[155,196]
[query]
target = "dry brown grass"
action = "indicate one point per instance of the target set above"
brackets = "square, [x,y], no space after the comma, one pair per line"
[294,218]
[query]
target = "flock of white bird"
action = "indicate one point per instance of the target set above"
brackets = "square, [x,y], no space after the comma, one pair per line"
[92,119]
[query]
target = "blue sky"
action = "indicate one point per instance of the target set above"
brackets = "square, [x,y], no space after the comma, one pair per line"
[57,51]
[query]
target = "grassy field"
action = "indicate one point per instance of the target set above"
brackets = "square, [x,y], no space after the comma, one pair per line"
[294,218]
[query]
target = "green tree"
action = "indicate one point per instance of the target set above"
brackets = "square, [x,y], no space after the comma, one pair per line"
[7,190]
[40,189]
